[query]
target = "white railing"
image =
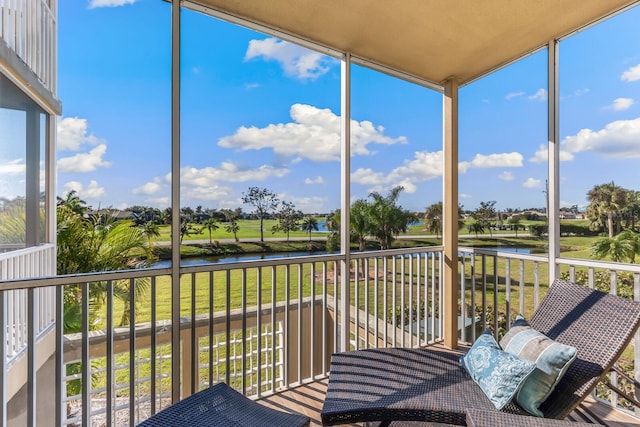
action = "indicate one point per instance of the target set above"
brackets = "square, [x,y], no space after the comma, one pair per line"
[498,285]
[32,262]
[29,27]
[269,325]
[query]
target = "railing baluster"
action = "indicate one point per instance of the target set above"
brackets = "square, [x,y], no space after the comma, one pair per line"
[259,328]
[109,362]
[243,332]
[473,296]
[402,301]
[385,301]
[300,325]
[287,300]
[521,288]
[507,291]
[85,355]
[3,358]
[132,352]
[366,302]
[154,353]
[636,346]
[394,303]
[312,322]
[273,328]
[484,292]
[324,318]
[411,323]
[376,328]
[536,285]
[195,377]
[31,359]
[356,302]
[211,311]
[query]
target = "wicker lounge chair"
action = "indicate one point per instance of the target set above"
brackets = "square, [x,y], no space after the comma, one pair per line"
[222,406]
[428,384]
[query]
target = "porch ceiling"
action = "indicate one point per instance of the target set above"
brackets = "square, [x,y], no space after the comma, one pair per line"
[429,39]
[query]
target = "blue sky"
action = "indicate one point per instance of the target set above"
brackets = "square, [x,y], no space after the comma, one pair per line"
[257,111]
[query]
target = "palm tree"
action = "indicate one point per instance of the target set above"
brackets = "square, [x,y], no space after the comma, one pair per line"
[98,244]
[475,227]
[73,202]
[388,219]
[233,227]
[433,219]
[309,224]
[617,248]
[606,201]
[360,220]
[210,224]
[150,229]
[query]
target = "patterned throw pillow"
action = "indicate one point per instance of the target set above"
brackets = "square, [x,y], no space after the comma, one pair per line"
[499,374]
[552,360]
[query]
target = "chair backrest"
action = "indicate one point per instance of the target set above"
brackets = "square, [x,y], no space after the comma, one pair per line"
[599,325]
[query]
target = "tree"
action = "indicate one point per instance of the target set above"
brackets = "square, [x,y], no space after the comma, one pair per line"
[332,223]
[87,245]
[484,214]
[264,201]
[309,224]
[475,227]
[617,248]
[288,219]
[210,224]
[433,219]
[150,229]
[606,202]
[387,218]
[233,227]
[361,222]
[515,221]
[73,202]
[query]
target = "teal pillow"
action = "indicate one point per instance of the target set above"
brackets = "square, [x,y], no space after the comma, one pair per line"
[552,359]
[499,374]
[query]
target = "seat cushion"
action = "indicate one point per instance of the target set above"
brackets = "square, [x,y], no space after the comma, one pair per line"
[551,358]
[499,374]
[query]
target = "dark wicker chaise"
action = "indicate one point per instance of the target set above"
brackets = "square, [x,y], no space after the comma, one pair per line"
[428,384]
[222,406]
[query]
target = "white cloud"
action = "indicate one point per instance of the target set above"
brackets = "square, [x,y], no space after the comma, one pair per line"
[618,139]
[13,167]
[532,183]
[204,184]
[498,160]
[296,61]
[72,134]
[424,166]
[506,176]
[540,95]
[464,196]
[84,162]
[306,204]
[250,86]
[512,95]
[149,188]
[632,74]
[316,180]
[109,3]
[621,104]
[229,172]
[314,134]
[93,190]
[580,92]
[542,155]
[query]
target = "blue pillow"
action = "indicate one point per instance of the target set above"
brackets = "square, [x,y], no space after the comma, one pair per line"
[498,373]
[552,359]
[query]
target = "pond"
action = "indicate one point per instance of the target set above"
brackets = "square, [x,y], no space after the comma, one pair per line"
[228,259]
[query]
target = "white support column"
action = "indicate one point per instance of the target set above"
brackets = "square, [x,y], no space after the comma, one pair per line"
[175,201]
[345,203]
[553,189]
[450,212]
